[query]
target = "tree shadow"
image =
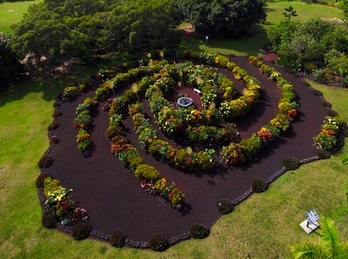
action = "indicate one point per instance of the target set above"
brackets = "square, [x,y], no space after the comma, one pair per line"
[49,86]
[246,45]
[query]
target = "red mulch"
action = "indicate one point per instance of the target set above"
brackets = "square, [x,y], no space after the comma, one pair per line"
[114,200]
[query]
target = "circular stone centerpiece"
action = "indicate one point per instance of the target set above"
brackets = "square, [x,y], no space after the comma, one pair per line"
[184,101]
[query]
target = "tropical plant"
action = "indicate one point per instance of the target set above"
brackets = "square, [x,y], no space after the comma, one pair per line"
[329,246]
[290,12]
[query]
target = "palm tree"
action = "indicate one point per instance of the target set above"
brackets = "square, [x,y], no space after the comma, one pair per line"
[329,246]
[290,12]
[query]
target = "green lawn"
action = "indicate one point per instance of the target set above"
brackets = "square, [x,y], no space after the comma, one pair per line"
[12,12]
[252,45]
[304,10]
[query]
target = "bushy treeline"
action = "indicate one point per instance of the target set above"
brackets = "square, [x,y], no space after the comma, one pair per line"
[317,47]
[10,68]
[225,18]
[62,29]
[58,29]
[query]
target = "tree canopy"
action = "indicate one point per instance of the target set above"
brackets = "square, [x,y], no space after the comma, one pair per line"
[10,68]
[298,43]
[58,29]
[227,18]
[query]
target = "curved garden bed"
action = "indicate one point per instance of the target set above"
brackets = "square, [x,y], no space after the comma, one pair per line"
[114,199]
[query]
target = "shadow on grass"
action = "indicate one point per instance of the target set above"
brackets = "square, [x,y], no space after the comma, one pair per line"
[49,86]
[244,46]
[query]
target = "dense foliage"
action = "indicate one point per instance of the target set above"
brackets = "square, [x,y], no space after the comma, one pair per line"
[84,28]
[316,47]
[118,239]
[159,243]
[199,231]
[10,68]
[222,17]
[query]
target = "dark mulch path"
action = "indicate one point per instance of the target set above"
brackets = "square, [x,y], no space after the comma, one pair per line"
[114,200]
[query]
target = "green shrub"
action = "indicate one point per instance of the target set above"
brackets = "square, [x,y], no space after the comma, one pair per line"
[101,93]
[225,206]
[332,113]
[118,239]
[40,180]
[54,139]
[46,162]
[199,231]
[317,92]
[70,93]
[57,113]
[323,154]
[81,230]
[325,141]
[291,163]
[145,171]
[327,104]
[49,220]
[345,131]
[259,185]
[159,243]
[54,125]
[319,75]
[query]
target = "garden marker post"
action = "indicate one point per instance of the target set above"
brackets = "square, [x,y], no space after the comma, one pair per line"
[312,217]
[311,222]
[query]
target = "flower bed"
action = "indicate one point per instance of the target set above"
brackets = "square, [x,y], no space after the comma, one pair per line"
[127,153]
[59,208]
[203,126]
[82,122]
[330,134]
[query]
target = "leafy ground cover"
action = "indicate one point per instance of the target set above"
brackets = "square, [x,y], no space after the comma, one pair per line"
[12,12]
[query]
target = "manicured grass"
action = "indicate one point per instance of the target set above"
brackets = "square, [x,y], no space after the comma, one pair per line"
[12,12]
[241,47]
[337,95]
[304,10]
[252,45]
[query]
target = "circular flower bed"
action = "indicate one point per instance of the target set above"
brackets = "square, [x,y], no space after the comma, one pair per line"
[193,139]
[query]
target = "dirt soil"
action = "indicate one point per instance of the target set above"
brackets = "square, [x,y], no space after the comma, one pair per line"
[113,198]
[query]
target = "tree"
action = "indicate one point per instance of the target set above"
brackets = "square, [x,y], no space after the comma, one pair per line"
[337,62]
[63,29]
[282,33]
[290,12]
[345,8]
[299,43]
[227,18]
[10,68]
[329,246]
